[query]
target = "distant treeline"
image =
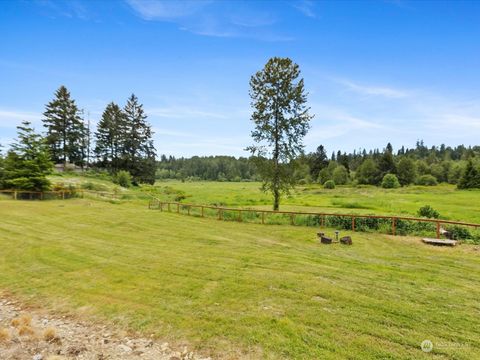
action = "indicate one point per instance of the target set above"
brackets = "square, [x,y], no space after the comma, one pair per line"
[217,168]
[420,165]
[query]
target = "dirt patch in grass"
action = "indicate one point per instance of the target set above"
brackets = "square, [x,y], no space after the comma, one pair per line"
[32,334]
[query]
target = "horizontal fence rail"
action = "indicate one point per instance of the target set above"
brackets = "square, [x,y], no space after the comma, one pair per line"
[355,222]
[60,194]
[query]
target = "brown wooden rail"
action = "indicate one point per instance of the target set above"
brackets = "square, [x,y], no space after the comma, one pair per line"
[60,193]
[158,204]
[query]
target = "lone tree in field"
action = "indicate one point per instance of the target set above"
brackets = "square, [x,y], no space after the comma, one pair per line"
[281,121]
[65,129]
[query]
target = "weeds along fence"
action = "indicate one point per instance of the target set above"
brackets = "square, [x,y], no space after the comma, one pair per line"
[395,225]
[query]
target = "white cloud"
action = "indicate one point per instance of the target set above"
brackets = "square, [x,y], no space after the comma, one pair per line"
[12,118]
[166,10]
[180,112]
[306,7]
[211,18]
[331,122]
[369,90]
[69,9]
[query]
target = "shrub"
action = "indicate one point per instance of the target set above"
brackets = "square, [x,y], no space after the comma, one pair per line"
[427,180]
[329,184]
[459,233]
[180,196]
[123,178]
[94,186]
[390,181]
[428,212]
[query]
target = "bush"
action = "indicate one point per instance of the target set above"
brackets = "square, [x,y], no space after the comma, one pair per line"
[123,178]
[390,181]
[329,184]
[459,233]
[428,212]
[427,180]
[94,186]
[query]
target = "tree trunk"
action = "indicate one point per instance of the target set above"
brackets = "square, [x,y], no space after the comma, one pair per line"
[276,199]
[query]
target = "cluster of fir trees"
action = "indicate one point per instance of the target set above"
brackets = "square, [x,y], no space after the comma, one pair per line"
[214,168]
[123,142]
[420,165]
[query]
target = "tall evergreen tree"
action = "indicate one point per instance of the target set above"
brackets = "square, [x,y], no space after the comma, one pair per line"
[319,160]
[65,129]
[110,137]
[138,146]
[281,121]
[470,178]
[28,162]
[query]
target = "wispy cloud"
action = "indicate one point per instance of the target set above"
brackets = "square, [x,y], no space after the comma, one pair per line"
[332,122]
[181,112]
[370,90]
[306,7]
[70,9]
[211,18]
[167,10]
[12,118]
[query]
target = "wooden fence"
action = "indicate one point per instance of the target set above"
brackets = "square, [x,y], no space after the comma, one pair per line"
[61,194]
[321,218]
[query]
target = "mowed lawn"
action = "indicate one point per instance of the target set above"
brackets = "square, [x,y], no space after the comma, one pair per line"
[242,290]
[453,204]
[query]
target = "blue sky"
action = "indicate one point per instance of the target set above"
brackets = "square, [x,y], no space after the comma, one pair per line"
[376,72]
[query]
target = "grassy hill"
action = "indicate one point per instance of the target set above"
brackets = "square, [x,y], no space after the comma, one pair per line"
[234,289]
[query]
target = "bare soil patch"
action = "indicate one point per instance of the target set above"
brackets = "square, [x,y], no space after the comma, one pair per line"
[30,334]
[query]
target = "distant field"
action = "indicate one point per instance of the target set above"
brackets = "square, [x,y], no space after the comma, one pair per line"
[452,204]
[235,289]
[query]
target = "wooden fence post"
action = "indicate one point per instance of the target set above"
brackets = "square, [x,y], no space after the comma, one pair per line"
[323,220]
[15,195]
[438,229]
[292,219]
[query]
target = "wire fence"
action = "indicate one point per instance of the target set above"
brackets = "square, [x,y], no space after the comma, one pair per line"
[395,225]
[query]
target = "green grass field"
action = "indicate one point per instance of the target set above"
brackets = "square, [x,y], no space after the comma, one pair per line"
[453,204]
[244,290]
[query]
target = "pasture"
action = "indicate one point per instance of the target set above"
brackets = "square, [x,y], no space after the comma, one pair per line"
[453,204]
[244,290]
